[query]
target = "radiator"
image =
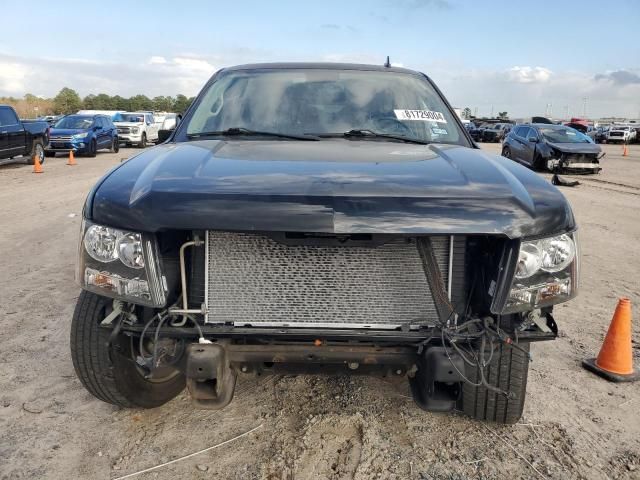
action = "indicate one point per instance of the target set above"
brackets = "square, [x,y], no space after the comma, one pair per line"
[252,280]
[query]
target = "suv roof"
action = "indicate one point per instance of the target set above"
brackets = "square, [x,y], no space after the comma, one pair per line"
[321,65]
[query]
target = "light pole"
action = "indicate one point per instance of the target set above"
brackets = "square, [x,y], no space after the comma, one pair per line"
[584,106]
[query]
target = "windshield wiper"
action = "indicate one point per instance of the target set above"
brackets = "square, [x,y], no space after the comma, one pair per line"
[364,133]
[239,131]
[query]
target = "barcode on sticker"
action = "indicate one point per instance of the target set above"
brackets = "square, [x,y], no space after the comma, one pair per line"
[423,115]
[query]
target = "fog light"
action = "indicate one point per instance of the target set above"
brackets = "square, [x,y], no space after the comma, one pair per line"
[130,287]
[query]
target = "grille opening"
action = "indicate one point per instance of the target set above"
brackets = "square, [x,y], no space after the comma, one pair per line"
[256,280]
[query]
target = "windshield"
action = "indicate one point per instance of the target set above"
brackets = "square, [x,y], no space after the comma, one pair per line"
[563,135]
[325,101]
[74,121]
[130,117]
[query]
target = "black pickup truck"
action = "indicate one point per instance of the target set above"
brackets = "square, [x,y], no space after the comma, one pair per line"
[21,138]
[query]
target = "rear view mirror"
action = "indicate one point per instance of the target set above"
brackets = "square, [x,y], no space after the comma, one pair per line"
[163,135]
[533,139]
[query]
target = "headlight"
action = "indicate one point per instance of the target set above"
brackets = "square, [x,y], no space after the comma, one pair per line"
[136,277]
[100,243]
[529,260]
[549,254]
[557,253]
[79,136]
[130,250]
[135,130]
[546,273]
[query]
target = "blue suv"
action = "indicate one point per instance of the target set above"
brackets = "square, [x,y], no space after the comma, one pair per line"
[84,134]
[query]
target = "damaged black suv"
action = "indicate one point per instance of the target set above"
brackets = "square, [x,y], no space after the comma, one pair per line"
[320,218]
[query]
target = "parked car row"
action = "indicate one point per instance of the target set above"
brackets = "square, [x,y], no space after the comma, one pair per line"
[488,132]
[90,130]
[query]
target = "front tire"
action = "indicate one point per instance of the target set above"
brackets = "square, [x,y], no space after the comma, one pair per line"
[143,142]
[507,371]
[37,150]
[506,152]
[109,372]
[93,149]
[115,145]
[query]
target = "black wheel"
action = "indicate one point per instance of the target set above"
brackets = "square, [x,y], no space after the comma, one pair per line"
[93,149]
[110,373]
[143,142]
[506,152]
[507,371]
[115,145]
[37,151]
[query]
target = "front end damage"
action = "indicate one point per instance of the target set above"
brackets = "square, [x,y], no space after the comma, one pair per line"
[575,163]
[445,318]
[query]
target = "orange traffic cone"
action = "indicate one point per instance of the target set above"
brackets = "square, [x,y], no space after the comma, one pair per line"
[72,160]
[625,152]
[615,360]
[37,166]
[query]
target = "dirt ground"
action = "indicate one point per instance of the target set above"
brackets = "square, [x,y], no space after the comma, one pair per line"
[575,425]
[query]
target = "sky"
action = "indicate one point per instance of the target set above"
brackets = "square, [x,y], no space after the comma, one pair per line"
[526,58]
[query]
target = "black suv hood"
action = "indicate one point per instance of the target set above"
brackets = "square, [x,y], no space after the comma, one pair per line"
[327,186]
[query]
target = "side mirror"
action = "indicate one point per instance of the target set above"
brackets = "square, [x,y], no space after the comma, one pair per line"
[533,139]
[96,128]
[163,135]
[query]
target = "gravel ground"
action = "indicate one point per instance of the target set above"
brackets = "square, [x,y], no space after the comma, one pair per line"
[575,424]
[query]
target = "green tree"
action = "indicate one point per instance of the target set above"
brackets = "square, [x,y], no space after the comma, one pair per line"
[140,102]
[89,102]
[67,101]
[181,103]
[120,103]
[162,104]
[503,115]
[466,113]
[102,101]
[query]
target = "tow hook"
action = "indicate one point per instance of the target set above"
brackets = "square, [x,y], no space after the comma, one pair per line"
[210,380]
[437,383]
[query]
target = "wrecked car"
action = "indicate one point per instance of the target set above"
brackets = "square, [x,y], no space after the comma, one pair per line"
[320,219]
[556,148]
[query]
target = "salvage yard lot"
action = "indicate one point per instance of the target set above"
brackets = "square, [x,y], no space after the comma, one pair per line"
[575,425]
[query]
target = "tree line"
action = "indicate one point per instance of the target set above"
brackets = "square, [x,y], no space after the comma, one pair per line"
[68,101]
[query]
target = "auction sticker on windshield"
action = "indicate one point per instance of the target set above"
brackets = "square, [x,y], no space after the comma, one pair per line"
[424,115]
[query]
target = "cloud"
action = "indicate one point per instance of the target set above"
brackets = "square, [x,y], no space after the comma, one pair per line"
[520,90]
[529,74]
[156,75]
[12,76]
[620,77]
[157,60]
[526,91]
